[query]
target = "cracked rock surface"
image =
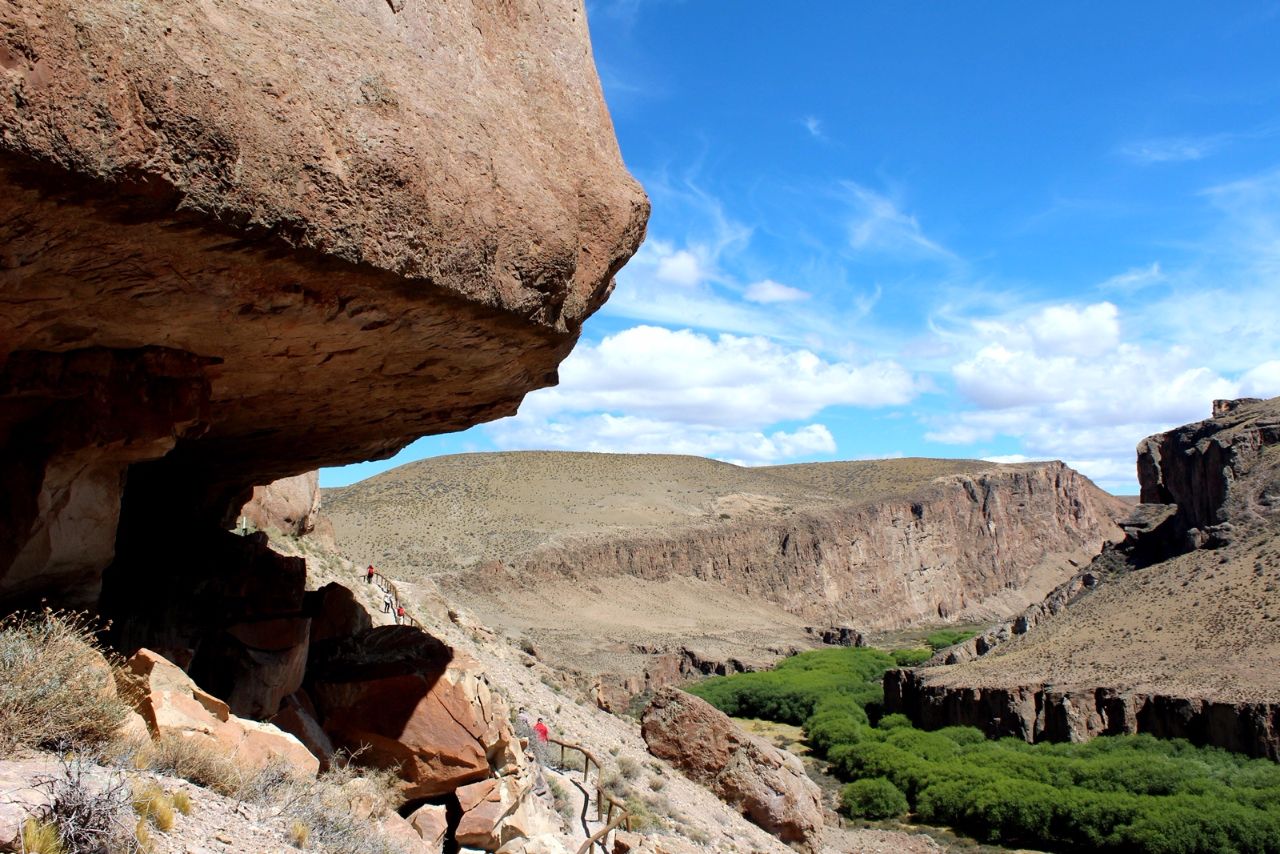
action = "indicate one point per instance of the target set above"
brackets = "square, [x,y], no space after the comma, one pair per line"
[247,240]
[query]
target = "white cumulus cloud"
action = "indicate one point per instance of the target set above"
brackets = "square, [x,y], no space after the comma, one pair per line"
[1066,386]
[653,389]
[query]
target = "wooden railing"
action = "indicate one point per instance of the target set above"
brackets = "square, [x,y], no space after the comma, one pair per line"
[610,809]
[615,814]
[386,585]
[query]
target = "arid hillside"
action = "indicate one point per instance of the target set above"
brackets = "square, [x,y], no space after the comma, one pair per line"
[649,567]
[1180,633]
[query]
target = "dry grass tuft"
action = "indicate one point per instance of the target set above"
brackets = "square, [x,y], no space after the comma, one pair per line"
[41,837]
[56,687]
[299,833]
[199,762]
[150,802]
[181,802]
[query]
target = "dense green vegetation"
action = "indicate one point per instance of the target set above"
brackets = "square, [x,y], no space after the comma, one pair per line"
[943,638]
[791,691]
[1126,793]
[873,798]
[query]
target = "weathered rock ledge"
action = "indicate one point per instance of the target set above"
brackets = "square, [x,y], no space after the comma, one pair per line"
[1056,713]
[241,242]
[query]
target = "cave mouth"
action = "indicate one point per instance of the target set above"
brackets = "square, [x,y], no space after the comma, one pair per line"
[183,585]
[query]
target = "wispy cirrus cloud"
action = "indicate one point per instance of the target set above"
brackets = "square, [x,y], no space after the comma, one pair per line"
[880,225]
[768,291]
[1173,149]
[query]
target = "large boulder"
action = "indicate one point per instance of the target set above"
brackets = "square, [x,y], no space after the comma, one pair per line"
[769,786]
[501,811]
[409,702]
[431,823]
[215,215]
[336,613]
[172,706]
[290,505]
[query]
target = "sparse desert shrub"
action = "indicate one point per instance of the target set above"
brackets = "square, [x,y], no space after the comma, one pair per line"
[873,798]
[86,808]
[320,814]
[628,767]
[198,761]
[645,814]
[613,783]
[560,798]
[56,687]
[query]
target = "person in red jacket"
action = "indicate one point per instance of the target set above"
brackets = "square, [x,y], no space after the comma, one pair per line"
[368,576]
[541,729]
[399,614]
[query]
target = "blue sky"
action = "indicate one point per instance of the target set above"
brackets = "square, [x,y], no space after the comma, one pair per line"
[998,230]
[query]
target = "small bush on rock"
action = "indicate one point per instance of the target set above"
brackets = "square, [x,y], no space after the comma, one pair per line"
[873,798]
[56,686]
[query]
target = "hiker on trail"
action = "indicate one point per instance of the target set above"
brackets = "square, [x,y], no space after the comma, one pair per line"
[524,731]
[368,576]
[387,602]
[524,724]
[399,614]
[540,743]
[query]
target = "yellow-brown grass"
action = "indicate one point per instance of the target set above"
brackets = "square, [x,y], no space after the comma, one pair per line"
[56,685]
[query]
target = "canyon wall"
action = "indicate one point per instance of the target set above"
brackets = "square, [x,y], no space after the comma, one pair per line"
[1170,632]
[243,241]
[1046,713]
[879,564]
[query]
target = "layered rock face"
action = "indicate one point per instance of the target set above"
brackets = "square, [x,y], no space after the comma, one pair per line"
[1047,713]
[768,785]
[1172,632]
[243,242]
[877,565]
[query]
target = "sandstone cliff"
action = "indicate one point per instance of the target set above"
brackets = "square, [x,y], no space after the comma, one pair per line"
[242,241]
[1175,631]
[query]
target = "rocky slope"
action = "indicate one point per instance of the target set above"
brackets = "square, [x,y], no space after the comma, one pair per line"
[1178,631]
[681,815]
[649,568]
[241,242]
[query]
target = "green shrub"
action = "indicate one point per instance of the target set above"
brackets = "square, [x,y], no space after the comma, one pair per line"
[790,692]
[894,721]
[944,638]
[873,798]
[911,657]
